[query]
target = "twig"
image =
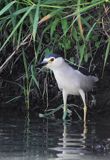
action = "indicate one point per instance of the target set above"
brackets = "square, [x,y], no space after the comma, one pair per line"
[14,52]
[23,43]
[103,25]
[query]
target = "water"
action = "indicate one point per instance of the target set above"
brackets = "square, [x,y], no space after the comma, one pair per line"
[42,139]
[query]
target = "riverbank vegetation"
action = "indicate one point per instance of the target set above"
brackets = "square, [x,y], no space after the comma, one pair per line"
[79,30]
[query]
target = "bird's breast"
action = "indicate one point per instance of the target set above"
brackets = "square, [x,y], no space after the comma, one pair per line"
[67,82]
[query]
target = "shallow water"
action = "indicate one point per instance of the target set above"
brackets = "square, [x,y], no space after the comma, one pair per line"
[42,139]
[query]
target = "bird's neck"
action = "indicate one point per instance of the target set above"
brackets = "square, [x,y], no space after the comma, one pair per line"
[62,69]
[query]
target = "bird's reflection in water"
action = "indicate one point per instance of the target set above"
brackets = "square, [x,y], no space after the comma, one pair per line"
[88,141]
[73,142]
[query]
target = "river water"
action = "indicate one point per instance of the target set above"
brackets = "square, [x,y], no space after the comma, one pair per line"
[24,138]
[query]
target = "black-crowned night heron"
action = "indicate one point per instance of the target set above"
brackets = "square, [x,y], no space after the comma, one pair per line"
[70,80]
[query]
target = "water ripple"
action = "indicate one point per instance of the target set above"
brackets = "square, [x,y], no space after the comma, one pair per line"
[41,139]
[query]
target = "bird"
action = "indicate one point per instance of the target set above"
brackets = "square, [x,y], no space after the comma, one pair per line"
[71,80]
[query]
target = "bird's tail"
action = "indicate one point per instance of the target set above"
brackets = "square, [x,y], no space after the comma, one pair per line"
[95,79]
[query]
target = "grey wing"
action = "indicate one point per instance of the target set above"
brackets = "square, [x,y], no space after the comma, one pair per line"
[82,69]
[86,82]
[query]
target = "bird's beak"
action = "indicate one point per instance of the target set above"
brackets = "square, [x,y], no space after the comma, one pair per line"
[43,63]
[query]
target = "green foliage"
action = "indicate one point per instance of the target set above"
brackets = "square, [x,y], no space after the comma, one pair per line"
[107,52]
[36,18]
[53,27]
[4,9]
[74,27]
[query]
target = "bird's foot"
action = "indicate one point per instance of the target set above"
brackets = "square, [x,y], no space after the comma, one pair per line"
[64,116]
[67,114]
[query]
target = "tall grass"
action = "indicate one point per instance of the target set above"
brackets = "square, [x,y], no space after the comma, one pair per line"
[73,27]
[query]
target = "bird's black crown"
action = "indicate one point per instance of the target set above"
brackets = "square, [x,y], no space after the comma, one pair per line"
[52,55]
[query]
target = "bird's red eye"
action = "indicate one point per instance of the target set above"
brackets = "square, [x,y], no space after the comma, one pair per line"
[52,59]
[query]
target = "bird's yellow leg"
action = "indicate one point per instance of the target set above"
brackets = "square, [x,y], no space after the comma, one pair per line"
[65,105]
[85,106]
[85,112]
[65,112]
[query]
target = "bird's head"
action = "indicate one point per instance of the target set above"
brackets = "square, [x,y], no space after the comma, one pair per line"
[51,61]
